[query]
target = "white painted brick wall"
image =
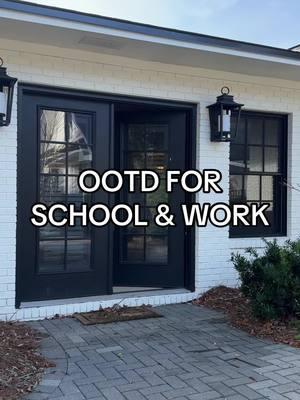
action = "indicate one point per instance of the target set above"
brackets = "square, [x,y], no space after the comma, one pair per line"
[102,73]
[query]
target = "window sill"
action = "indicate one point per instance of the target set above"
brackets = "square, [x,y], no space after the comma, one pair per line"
[275,235]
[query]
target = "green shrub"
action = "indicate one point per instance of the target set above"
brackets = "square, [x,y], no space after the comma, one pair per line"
[271,281]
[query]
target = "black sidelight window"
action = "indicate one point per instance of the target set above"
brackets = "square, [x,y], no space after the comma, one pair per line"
[258,170]
[65,150]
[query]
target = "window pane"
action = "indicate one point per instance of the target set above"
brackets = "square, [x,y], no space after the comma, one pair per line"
[157,197]
[51,256]
[136,160]
[156,137]
[53,158]
[255,131]
[131,229]
[272,130]
[78,231]
[267,188]
[237,158]
[78,255]
[79,128]
[136,137]
[52,126]
[157,162]
[78,198]
[133,248]
[52,189]
[254,159]
[150,213]
[263,158]
[157,249]
[52,232]
[73,188]
[271,159]
[252,184]
[135,197]
[79,158]
[236,189]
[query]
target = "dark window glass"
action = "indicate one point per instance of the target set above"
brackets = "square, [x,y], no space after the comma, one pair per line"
[136,161]
[252,187]
[79,159]
[65,150]
[53,158]
[146,146]
[274,129]
[78,255]
[237,158]
[267,188]
[133,248]
[156,137]
[157,249]
[136,137]
[135,197]
[73,188]
[79,128]
[258,171]
[51,256]
[241,137]
[78,231]
[237,194]
[157,197]
[52,232]
[52,189]
[254,159]
[156,162]
[271,159]
[255,131]
[53,126]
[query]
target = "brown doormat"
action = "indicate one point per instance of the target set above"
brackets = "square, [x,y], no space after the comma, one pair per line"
[116,314]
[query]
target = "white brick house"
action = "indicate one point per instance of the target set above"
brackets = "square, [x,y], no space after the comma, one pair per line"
[78,66]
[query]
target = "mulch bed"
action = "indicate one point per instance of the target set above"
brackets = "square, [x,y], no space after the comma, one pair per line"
[116,314]
[21,365]
[237,309]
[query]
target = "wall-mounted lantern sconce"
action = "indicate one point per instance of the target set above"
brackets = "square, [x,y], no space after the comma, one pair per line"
[224,117]
[7,84]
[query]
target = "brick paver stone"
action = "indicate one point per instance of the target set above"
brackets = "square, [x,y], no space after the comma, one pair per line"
[191,353]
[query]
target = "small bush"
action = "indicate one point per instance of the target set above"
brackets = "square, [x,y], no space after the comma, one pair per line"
[271,281]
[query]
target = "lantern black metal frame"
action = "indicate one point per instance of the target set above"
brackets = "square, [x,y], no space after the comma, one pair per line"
[225,107]
[7,84]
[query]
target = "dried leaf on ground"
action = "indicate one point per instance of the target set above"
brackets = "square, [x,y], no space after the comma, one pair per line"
[21,365]
[237,308]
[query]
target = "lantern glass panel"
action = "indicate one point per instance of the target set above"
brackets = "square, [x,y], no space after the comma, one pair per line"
[224,117]
[3,103]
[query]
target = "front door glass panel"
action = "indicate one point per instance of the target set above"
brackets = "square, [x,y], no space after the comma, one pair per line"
[65,150]
[145,147]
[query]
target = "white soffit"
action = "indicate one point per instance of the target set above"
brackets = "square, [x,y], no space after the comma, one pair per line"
[16,25]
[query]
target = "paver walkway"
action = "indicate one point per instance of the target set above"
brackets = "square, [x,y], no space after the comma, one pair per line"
[189,354]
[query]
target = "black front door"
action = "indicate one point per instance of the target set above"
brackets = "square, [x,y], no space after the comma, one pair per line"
[61,133]
[60,137]
[153,256]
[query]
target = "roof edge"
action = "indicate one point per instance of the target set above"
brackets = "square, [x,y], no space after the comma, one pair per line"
[147,29]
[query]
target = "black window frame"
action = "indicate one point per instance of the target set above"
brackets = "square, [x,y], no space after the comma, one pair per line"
[280,192]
